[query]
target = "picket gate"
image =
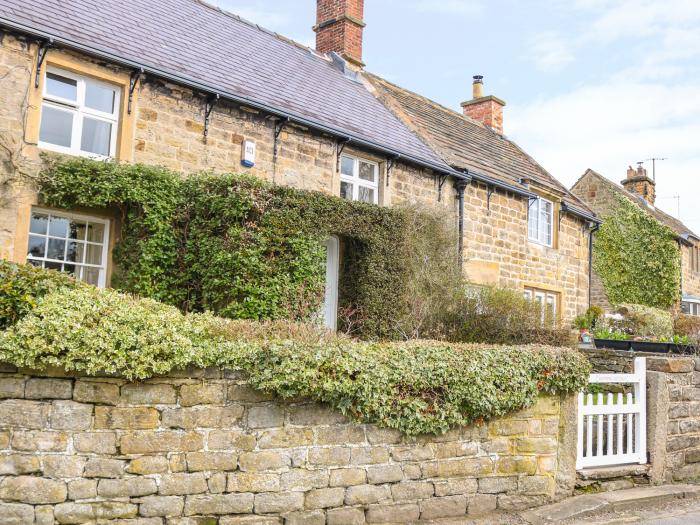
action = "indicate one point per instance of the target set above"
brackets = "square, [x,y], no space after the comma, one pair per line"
[612,428]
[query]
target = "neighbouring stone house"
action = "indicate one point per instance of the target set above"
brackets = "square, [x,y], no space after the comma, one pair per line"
[182,84]
[599,193]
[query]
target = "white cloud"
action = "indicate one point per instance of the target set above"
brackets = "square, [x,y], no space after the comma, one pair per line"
[550,51]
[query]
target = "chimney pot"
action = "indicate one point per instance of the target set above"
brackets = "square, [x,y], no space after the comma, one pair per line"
[485,109]
[339,28]
[639,183]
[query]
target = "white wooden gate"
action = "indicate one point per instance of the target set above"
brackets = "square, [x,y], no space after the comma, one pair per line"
[612,428]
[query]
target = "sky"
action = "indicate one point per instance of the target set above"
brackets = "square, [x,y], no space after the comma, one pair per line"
[598,84]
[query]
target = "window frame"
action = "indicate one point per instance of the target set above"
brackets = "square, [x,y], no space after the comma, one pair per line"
[537,239]
[355,179]
[80,111]
[693,307]
[545,298]
[695,259]
[102,268]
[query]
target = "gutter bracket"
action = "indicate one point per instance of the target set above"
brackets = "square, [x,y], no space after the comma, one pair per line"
[279,126]
[389,166]
[339,147]
[209,104]
[441,183]
[40,56]
[134,79]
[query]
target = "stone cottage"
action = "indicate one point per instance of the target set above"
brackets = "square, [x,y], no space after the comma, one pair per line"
[182,84]
[600,193]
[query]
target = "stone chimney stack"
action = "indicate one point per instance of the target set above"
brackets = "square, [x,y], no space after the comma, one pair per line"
[339,28]
[639,183]
[487,109]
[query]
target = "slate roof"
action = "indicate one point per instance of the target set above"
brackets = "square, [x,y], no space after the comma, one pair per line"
[465,143]
[193,40]
[677,226]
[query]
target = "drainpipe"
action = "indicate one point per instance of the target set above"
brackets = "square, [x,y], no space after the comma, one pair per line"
[591,231]
[460,186]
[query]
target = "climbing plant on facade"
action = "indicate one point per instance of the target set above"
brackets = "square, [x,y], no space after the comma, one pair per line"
[637,258]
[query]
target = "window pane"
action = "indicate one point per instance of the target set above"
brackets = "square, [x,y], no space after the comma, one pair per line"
[58,226]
[69,268]
[96,232]
[367,171]
[75,252]
[37,246]
[96,136]
[346,190]
[533,218]
[93,254]
[63,87]
[347,166]
[91,275]
[56,126]
[685,307]
[57,249]
[365,194]
[39,223]
[76,230]
[53,266]
[99,97]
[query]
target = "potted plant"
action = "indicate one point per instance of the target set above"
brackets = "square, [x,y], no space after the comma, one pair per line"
[614,340]
[648,344]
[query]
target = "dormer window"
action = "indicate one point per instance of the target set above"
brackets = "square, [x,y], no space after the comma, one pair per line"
[79,115]
[540,221]
[359,179]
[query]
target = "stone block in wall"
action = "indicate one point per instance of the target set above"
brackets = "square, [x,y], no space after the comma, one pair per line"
[474,467]
[286,437]
[11,387]
[516,465]
[329,456]
[345,516]
[104,468]
[182,483]
[247,394]
[367,494]
[671,365]
[413,490]
[211,461]
[99,392]
[279,502]
[17,413]
[376,475]
[82,489]
[300,479]
[393,513]
[16,464]
[230,440]
[95,442]
[87,512]
[148,394]
[497,485]
[144,442]
[481,504]
[219,504]
[48,388]
[62,466]
[316,415]
[261,461]
[202,394]
[70,415]
[368,455]
[265,416]
[307,517]
[324,498]
[39,441]
[16,513]
[250,520]
[340,435]
[161,506]
[202,417]
[425,452]
[131,418]
[253,482]
[346,477]
[126,488]
[33,490]
[446,507]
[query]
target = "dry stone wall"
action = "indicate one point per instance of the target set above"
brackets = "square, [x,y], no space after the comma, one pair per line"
[203,447]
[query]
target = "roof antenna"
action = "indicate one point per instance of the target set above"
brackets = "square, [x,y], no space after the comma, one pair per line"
[653,165]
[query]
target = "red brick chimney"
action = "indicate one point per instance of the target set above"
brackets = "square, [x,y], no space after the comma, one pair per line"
[639,183]
[339,28]
[487,109]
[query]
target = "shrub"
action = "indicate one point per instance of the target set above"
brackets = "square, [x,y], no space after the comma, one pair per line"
[588,320]
[416,387]
[645,321]
[687,325]
[503,316]
[21,286]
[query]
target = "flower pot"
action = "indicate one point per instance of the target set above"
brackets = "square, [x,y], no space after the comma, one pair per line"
[612,344]
[681,349]
[650,346]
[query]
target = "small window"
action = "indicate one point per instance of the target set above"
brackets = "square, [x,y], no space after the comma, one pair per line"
[79,115]
[547,301]
[69,243]
[690,308]
[359,180]
[540,221]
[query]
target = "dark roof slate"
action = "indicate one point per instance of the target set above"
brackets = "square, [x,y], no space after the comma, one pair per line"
[193,40]
[661,216]
[465,143]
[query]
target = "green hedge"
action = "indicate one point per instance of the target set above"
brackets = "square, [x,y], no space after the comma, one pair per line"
[236,245]
[637,258]
[416,387]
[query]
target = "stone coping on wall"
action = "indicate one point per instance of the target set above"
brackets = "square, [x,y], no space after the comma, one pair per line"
[203,444]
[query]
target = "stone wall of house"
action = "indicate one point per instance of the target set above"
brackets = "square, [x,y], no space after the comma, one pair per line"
[673,410]
[203,444]
[497,251]
[690,278]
